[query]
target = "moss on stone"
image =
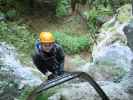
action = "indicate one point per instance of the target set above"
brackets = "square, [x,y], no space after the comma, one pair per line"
[113,29]
[124,13]
[107,25]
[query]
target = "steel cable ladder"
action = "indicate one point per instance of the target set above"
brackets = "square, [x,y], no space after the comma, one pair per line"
[64,78]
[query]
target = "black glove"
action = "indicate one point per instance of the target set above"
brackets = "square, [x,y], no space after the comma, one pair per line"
[52,76]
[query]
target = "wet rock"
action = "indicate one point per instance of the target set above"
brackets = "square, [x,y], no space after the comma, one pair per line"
[83,91]
[124,13]
[128,30]
[111,55]
[128,81]
[15,79]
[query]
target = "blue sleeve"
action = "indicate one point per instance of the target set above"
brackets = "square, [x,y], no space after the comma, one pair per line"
[37,46]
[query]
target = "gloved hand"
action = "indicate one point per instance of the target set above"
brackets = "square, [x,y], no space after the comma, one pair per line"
[51,76]
[48,73]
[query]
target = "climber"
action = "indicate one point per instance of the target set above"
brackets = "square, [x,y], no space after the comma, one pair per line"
[49,56]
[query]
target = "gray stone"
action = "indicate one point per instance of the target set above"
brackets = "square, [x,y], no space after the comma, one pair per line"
[83,91]
[128,82]
[15,79]
[128,30]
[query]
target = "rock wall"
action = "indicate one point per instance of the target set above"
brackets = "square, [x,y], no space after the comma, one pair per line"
[16,80]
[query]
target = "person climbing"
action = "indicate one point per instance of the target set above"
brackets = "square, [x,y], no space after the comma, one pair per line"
[49,56]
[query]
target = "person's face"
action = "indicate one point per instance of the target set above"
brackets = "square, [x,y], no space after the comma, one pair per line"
[47,46]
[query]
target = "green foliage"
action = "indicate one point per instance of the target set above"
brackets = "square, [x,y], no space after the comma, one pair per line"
[10,8]
[13,8]
[17,35]
[25,93]
[108,2]
[7,1]
[114,4]
[62,7]
[99,10]
[95,18]
[44,95]
[2,14]
[96,14]
[11,14]
[72,44]
[91,16]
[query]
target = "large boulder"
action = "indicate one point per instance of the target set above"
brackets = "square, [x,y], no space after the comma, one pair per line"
[128,80]
[83,91]
[128,30]
[112,58]
[16,81]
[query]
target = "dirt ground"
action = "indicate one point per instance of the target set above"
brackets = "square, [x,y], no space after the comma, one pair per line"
[74,61]
[69,24]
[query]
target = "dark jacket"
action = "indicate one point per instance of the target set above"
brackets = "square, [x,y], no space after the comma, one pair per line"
[52,61]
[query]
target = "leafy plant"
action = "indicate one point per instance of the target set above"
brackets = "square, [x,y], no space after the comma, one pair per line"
[11,14]
[44,95]
[95,17]
[17,35]
[114,4]
[72,44]
[62,7]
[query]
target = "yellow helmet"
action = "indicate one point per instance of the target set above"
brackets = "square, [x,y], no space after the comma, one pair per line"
[46,37]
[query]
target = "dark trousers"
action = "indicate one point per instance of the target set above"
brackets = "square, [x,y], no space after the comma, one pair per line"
[45,66]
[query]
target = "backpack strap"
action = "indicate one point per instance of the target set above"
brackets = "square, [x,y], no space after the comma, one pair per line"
[37,47]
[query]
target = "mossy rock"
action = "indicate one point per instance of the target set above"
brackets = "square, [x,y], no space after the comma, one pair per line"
[124,13]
